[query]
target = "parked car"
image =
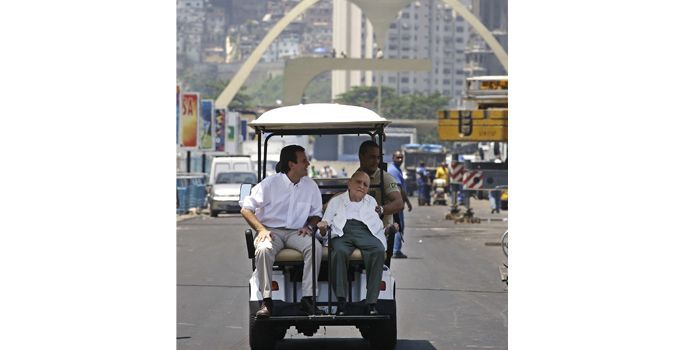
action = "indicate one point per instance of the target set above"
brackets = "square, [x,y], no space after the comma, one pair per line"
[225,191]
[228,163]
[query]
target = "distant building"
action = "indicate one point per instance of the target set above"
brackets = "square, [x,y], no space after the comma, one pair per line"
[428,29]
[424,29]
[480,58]
[202,30]
[190,29]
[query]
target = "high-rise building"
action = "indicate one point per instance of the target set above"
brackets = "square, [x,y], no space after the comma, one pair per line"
[480,58]
[428,29]
[424,29]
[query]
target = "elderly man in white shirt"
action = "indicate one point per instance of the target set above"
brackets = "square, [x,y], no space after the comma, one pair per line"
[353,220]
[284,209]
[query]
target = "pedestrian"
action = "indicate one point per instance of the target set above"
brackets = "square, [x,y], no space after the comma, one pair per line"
[442,172]
[423,184]
[284,209]
[395,171]
[456,172]
[353,222]
[495,201]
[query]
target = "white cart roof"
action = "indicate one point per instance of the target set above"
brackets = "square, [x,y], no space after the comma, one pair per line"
[319,116]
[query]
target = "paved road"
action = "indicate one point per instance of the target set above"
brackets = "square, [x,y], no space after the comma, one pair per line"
[449,292]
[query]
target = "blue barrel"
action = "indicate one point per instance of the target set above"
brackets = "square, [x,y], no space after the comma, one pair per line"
[182,199]
[197,192]
[198,195]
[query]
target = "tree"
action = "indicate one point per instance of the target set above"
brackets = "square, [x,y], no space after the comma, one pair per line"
[409,106]
[366,96]
[212,90]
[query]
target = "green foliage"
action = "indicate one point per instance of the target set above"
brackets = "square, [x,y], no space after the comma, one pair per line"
[267,92]
[319,89]
[414,106]
[211,89]
[431,136]
[241,101]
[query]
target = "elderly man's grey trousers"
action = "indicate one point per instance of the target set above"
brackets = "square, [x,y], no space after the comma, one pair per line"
[265,253]
[357,235]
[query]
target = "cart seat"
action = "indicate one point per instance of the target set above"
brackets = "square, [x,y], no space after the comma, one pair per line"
[292,256]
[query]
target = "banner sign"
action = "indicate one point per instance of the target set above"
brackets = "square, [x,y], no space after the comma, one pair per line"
[220,130]
[206,126]
[189,120]
[244,129]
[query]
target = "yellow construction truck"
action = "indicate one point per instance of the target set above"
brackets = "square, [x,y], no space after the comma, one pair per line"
[481,117]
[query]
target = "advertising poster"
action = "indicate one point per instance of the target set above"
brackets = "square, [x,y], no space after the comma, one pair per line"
[220,130]
[189,119]
[177,119]
[206,125]
[231,126]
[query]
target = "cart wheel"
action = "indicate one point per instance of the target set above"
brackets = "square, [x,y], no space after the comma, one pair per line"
[382,336]
[262,337]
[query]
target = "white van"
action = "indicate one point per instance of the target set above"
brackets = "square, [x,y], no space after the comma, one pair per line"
[228,163]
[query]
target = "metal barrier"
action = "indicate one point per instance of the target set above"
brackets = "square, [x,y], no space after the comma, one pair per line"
[191,192]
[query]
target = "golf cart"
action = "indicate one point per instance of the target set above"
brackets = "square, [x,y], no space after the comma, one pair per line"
[379,330]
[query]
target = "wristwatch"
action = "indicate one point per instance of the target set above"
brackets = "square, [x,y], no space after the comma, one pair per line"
[381,210]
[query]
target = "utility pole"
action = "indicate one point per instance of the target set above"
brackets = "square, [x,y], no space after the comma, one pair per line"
[379,94]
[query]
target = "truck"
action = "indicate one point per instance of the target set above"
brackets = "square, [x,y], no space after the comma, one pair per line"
[413,154]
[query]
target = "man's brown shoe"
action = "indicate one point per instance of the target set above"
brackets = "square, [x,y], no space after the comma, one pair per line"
[265,309]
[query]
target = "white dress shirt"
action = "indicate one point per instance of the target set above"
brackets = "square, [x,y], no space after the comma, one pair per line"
[338,211]
[278,202]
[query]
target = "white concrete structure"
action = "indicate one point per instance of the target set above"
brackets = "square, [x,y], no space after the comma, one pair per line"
[349,27]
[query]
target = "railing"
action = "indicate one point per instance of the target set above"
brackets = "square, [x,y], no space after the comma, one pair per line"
[191,192]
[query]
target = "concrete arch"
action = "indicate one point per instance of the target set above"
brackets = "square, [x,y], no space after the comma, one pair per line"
[481,29]
[235,84]
[373,7]
[300,71]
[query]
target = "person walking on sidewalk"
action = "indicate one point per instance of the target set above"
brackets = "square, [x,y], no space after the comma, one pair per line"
[456,172]
[423,184]
[284,209]
[395,170]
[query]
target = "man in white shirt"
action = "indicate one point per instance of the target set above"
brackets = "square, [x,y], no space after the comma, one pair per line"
[284,209]
[353,220]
